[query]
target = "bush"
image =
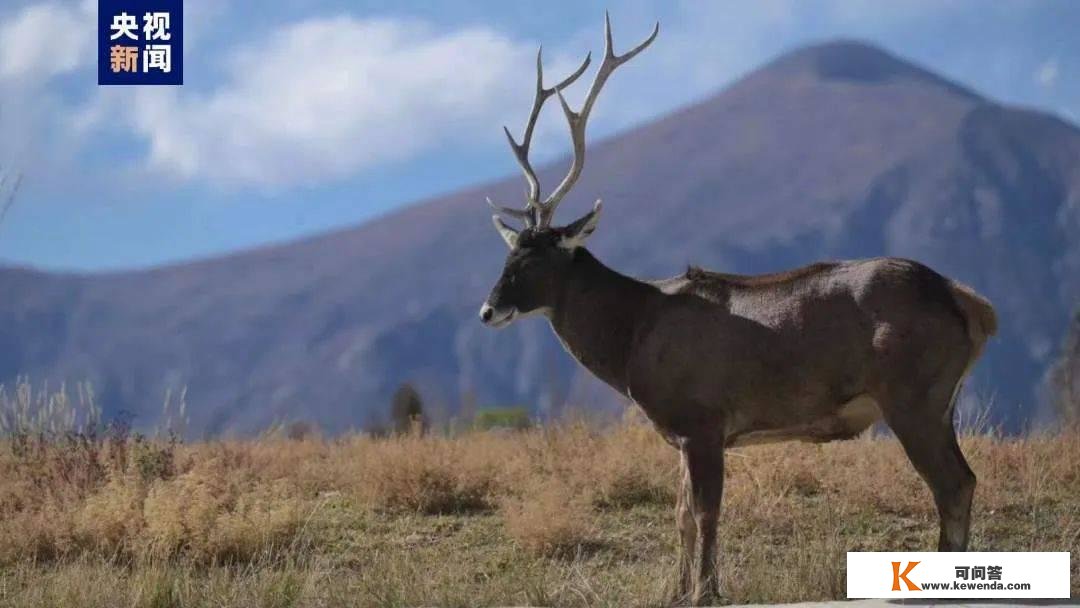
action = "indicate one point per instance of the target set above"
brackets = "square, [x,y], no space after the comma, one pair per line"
[427,475]
[111,520]
[152,460]
[632,467]
[549,518]
[214,515]
[512,418]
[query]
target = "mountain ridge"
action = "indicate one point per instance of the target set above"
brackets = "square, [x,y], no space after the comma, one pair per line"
[781,168]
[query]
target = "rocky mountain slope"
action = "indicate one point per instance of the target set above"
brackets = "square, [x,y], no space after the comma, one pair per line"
[833,151]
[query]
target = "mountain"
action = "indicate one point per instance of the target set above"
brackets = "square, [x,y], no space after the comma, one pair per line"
[1063,378]
[833,151]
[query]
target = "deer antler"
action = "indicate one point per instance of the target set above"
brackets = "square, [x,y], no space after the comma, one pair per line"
[521,151]
[539,213]
[578,120]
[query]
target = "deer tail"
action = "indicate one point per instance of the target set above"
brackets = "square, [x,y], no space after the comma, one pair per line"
[978,312]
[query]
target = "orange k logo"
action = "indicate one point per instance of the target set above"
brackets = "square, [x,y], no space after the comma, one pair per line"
[897,575]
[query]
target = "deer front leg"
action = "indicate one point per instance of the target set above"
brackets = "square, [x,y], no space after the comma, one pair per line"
[704,459]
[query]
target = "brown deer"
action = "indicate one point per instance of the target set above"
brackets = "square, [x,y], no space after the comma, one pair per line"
[717,360]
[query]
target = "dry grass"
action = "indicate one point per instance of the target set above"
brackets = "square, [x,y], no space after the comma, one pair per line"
[429,475]
[560,516]
[548,518]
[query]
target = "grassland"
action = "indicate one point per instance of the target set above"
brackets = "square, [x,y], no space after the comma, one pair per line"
[566,516]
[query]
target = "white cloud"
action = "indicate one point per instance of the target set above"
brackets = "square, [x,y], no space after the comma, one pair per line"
[1047,74]
[324,98]
[328,98]
[47,39]
[865,12]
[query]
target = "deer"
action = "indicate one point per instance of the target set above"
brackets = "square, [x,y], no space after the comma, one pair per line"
[717,360]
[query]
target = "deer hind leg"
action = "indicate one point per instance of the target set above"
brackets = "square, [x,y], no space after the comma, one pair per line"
[930,443]
[684,520]
[705,464]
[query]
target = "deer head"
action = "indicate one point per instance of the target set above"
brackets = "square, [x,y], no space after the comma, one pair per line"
[540,252]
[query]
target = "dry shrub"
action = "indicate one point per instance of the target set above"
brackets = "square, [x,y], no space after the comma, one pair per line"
[212,516]
[110,520]
[69,482]
[632,466]
[549,518]
[264,523]
[218,509]
[151,460]
[563,451]
[427,475]
[305,463]
[620,467]
[40,535]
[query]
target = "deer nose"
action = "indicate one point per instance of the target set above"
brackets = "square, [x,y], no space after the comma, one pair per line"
[486,312]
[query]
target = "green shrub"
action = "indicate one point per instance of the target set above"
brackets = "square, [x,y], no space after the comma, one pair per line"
[514,418]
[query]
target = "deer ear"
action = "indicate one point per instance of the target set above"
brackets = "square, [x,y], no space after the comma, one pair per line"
[575,234]
[506,232]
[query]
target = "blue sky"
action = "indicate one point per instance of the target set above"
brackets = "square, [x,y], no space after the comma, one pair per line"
[299,116]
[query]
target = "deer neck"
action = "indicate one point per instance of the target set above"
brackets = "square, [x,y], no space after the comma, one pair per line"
[596,315]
